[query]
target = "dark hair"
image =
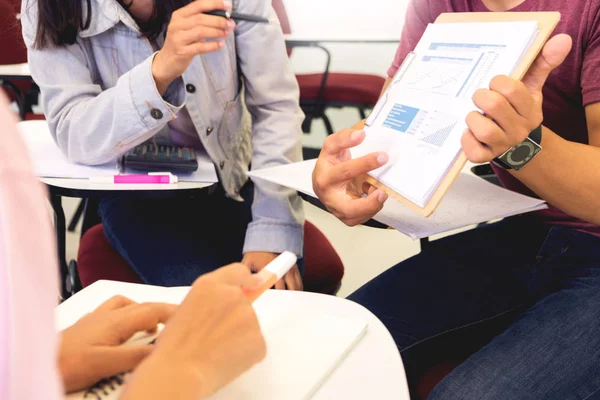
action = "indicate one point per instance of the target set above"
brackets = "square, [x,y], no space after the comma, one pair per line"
[60,21]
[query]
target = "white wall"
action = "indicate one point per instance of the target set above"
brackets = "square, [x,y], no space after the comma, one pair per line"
[347,19]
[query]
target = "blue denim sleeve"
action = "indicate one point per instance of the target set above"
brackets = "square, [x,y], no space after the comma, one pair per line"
[94,125]
[272,97]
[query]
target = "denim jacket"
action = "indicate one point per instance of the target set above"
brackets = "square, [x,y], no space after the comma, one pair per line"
[100,100]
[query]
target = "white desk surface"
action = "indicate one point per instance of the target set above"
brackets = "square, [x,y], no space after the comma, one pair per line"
[84,184]
[15,70]
[372,370]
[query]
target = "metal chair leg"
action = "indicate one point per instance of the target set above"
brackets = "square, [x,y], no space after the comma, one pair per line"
[76,216]
[61,239]
[328,125]
[362,113]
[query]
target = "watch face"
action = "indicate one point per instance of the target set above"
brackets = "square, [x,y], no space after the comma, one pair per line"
[521,153]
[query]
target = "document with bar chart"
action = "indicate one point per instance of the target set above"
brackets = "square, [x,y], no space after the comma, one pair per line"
[420,119]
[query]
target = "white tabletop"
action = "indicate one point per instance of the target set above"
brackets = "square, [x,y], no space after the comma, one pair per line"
[372,370]
[84,184]
[50,164]
[15,70]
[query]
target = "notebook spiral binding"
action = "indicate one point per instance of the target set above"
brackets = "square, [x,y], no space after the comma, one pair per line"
[103,388]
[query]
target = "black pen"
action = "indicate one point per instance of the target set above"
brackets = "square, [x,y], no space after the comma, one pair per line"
[238,16]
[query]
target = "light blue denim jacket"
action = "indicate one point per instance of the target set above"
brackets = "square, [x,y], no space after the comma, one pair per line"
[100,100]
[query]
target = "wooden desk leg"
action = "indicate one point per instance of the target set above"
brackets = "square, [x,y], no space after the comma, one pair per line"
[61,239]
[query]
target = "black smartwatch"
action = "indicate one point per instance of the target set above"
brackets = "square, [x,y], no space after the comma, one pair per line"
[518,156]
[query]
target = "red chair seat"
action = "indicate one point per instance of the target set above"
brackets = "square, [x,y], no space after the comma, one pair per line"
[98,260]
[342,87]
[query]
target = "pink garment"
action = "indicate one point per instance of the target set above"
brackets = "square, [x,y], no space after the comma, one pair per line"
[568,90]
[28,275]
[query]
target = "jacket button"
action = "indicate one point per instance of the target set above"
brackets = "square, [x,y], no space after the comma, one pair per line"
[156,113]
[190,88]
[209,130]
[222,164]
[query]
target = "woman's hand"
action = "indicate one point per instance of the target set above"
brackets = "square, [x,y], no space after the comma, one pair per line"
[213,338]
[257,260]
[190,32]
[91,349]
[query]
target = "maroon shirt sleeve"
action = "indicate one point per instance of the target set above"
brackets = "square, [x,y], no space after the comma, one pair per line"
[417,19]
[590,71]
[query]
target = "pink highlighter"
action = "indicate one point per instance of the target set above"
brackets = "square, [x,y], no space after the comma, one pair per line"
[151,178]
[272,273]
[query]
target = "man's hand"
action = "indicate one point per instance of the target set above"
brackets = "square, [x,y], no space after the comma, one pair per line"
[257,260]
[336,174]
[91,349]
[213,338]
[513,108]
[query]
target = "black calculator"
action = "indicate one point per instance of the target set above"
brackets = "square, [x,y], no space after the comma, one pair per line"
[161,157]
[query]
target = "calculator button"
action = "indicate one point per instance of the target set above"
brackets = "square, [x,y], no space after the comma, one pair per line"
[156,113]
[190,88]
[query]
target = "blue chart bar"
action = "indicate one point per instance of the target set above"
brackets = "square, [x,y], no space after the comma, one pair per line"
[400,117]
[438,138]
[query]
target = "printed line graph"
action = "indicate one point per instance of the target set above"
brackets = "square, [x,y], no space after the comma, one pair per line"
[441,75]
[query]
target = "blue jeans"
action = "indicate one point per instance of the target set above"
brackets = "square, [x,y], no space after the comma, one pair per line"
[171,242]
[521,297]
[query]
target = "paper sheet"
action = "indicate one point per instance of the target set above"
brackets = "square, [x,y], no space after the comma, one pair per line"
[470,200]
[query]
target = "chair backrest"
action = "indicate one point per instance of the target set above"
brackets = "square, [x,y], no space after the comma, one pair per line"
[12,47]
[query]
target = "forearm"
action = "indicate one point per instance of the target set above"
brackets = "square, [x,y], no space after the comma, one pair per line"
[567,175]
[156,379]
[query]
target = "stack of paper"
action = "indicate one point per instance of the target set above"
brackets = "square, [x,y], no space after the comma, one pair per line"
[471,200]
[420,119]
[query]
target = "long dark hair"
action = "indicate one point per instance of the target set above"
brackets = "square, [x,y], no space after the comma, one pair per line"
[60,21]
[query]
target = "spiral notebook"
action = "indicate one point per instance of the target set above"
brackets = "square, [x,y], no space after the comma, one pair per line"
[294,368]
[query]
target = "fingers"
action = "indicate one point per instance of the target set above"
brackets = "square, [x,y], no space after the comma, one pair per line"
[203,20]
[342,140]
[108,361]
[293,280]
[553,54]
[280,285]
[356,211]
[475,151]
[203,47]
[199,34]
[141,317]
[237,274]
[512,91]
[201,6]
[487,131]
[348,170]
[114,303]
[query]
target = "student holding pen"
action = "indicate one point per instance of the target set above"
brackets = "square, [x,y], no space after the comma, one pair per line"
[116,73]
[188,360]
[522,296]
